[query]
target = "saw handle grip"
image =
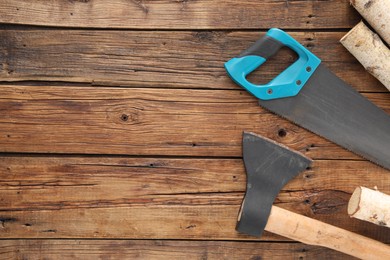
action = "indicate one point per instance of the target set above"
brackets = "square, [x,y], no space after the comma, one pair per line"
[286,84]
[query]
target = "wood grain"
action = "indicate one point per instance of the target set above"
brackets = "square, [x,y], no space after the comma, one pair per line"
[160,249]
[69,182]
[163,198]
[185,122]
[169,105]
[167,14]
[158,59]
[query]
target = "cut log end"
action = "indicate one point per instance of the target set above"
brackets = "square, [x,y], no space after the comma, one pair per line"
[353,205]
[370,205]
[352,31]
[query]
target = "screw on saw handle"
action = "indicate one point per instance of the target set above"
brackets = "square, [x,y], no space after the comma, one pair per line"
[286,84]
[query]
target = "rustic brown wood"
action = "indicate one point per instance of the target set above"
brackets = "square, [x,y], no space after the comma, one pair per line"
[69,182]
[167,113]
[54,181]
[160,249]
[179,217]
[55,119]
[157,59]
[180,14]
[154,198]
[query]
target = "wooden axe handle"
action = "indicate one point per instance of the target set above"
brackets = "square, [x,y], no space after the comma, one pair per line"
[314,232]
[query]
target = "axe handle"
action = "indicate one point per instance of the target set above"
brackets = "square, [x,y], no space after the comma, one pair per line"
[314,232]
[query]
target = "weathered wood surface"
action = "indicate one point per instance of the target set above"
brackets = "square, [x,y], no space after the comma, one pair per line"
[168,103]
[164,198]
[178,59]
[169,14]
[177,122]
[160,249]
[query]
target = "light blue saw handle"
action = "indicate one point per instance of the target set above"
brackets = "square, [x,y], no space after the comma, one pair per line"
[286,84]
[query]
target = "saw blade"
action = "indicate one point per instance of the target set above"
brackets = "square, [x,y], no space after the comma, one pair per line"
[329,107]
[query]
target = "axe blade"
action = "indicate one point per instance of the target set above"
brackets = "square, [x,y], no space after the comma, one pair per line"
[269,166]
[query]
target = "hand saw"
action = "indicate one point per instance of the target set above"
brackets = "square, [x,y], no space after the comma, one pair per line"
[310,95]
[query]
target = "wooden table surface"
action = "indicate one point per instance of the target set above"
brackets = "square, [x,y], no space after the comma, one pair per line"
[120,131]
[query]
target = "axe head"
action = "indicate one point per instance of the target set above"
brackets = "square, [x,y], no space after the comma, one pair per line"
[269,166]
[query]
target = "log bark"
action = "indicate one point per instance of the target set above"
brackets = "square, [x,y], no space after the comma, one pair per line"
[370,205]
[376,12]
[370,51]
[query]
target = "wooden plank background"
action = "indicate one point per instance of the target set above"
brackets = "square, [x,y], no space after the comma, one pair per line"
[120,132]
[160,249]
[182,14]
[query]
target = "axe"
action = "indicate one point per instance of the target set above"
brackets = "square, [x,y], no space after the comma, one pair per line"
[269,166]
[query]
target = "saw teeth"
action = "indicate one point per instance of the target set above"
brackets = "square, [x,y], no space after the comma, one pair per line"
[346,148]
